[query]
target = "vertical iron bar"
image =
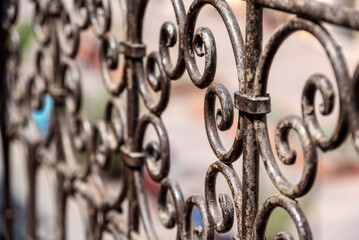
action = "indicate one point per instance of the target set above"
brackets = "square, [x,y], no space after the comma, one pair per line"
[58,115]
[60,193]
[132,106]
[61,211]
[4,94]
[132,115]
[32,192]
[250,151]
[58,120]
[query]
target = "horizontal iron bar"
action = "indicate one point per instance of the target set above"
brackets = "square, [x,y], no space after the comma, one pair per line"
[331,13]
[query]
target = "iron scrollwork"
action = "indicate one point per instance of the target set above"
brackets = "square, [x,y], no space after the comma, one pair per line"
[122,129]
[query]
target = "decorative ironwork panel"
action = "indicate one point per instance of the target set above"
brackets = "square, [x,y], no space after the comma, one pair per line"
[122,129]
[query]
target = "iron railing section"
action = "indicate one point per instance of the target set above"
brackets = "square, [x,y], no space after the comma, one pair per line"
[57,31]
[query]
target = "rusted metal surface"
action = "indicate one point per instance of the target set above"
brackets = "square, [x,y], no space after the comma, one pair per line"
[122,129]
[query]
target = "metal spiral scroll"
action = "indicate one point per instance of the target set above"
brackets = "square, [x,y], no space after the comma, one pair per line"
[307,128]
[122,129]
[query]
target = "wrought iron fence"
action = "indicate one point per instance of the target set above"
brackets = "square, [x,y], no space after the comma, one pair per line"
[122,129]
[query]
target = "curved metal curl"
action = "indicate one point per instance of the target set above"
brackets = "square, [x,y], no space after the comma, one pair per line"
[171,215]
[109,59]
[287,156]
[81,14]
[203,38]
[168,38]
[336,58]
[101,23]
[223,119]
[102,152]
[223,222]
[157,80]
[154,152]
[41,28]
[207,232]
[42,58]
[81,132]
[36,89]
[117,130]
[119,123]
[68,34]
[11,12]
[290,206]
[71,81]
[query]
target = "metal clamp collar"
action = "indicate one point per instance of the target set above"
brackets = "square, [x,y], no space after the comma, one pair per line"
[131,159]
[252,105]
[133,50]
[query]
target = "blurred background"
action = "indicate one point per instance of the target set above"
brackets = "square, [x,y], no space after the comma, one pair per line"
[332,205]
